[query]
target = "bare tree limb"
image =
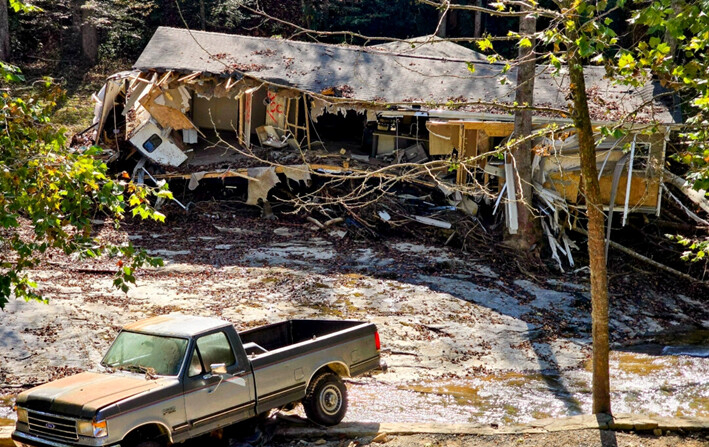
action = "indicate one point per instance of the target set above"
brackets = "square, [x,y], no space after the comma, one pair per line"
[647,260]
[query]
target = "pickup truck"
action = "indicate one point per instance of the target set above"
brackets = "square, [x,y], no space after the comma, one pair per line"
[170,378]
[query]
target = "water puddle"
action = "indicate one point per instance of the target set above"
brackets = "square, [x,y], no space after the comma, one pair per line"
[641,382]
[4,422]
[504,399]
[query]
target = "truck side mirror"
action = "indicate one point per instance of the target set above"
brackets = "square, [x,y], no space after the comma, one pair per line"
[218,368]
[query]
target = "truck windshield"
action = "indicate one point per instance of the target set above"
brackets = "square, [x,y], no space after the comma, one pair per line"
[146,353]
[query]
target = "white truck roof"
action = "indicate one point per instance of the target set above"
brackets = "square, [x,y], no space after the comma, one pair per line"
[176,325]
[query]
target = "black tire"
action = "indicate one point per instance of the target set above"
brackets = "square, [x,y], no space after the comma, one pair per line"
[325,402]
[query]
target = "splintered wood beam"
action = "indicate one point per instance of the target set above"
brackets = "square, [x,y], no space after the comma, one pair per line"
[307,119]
[241,173]
[229,84]
[189,77]
[167,76]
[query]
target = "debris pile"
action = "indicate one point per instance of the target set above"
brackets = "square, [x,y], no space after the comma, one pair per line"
[272,126]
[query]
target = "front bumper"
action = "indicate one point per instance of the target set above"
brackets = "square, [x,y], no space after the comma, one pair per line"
[22,439]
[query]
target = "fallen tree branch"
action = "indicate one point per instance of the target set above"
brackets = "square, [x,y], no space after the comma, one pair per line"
[334,221]
[695,196]
[645,259]
[315,222]
[684,208]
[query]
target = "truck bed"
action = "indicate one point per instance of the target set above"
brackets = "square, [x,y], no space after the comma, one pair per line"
[284,356]
[279,335]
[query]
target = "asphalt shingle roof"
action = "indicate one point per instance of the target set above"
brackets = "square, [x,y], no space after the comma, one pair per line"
[430,46]
[370,74]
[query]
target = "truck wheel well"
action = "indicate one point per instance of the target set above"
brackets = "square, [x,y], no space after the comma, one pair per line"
[335,367]
[146,432]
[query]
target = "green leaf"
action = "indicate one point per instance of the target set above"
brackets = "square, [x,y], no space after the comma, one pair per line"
[585,48]
[484,44]
[10,73]
[663,48]
[626,61]
[20,6]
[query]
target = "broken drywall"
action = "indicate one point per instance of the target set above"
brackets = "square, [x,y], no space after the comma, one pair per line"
[264,180]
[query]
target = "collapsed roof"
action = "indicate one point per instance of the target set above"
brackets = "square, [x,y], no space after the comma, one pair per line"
[388,74]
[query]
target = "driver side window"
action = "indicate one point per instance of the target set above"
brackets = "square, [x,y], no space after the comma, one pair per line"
[210,349]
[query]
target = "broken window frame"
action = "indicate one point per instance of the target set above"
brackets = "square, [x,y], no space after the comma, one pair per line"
[150,149]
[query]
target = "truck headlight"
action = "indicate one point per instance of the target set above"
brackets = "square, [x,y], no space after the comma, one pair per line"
[21,415]
[95,429]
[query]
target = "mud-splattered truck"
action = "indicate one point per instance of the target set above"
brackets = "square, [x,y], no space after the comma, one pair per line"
[174,377]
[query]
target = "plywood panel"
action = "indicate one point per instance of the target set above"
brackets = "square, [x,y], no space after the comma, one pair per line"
[166,116]
[643,191]
[443,137]
[566,184]
[492,128]
[275,110]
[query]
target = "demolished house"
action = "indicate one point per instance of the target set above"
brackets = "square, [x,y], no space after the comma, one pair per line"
[201,105]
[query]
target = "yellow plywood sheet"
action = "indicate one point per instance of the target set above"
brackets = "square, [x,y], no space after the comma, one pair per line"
[443,137]
[566,184]
[492,128]
[166,116]
[644,191]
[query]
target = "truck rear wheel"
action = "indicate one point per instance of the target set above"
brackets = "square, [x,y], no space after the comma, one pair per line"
[325,402]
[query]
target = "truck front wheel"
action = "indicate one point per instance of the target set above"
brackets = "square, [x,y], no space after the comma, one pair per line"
[325,402]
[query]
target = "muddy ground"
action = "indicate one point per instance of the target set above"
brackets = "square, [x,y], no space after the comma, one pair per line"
[578,438]
[467,336]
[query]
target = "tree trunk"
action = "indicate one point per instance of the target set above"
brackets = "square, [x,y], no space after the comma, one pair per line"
[596,245]
[477,29]
[89,38]
[4,32]
[669,38]
[202,15]
[527,234]
[443,24]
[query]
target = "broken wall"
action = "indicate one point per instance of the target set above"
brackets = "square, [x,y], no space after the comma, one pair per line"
[560,170]
[214,112]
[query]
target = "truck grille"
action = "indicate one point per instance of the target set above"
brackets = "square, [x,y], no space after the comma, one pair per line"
[42,424]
